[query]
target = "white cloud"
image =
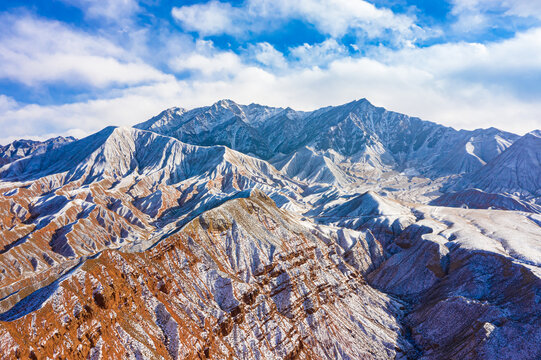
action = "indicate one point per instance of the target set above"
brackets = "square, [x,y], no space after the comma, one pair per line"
[523,8]
[218,66]
[7,103]
[35,51]
[208,62]
[337,17]
[333,17]
[111,10]
[211,18]
[479,15]
[510,67]
[79,119]
[318,54]
[267,55]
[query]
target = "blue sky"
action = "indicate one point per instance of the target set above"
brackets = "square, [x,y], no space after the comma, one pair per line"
[71,67]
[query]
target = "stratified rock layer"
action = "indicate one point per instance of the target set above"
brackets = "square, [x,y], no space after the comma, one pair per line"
[245,280]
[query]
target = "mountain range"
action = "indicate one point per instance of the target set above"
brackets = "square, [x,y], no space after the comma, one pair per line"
[358,132]
[254,232]
[22,148]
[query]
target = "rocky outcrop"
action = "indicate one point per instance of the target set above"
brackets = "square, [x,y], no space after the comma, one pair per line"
[472,293]
[244,280]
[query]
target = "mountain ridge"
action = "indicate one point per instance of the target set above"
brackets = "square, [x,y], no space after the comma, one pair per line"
[515,171]
[22,148]
[364,131]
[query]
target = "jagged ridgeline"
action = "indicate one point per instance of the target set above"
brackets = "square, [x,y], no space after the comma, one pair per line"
[253,232]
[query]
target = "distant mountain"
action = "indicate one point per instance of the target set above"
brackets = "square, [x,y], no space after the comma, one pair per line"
[516,171]
[372,138]
[120,152]
[21,148]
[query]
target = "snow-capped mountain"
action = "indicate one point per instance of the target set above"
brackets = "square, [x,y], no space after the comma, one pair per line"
[245,231]
[516,171]
[369,137]
[21,148]
[120,152]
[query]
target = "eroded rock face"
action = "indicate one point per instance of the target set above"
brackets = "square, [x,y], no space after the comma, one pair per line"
[50,221]
[472,292]
[496,305]
[245,280]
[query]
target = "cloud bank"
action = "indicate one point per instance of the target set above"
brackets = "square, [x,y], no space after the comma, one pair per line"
[220,50]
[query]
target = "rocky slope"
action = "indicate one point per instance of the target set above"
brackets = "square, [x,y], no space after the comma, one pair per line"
[114,188]
[243,280]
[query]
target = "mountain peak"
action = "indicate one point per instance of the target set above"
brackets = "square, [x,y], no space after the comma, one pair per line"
[22,148]
[225,103]
[357,128]
[536,133]
[363,100]
[514,171]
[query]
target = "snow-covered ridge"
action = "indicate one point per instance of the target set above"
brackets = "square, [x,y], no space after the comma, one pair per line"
[477,199]
[358,131]
[22,148]
[119,152]
[516,171]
